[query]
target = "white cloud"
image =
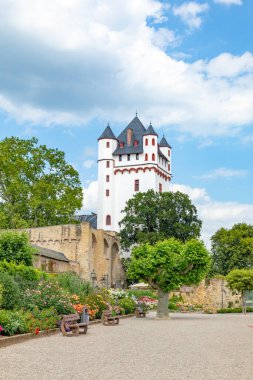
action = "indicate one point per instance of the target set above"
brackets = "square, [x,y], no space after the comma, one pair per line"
[229,2]
[90,195]
[88,164]
[90,151]
[69,62]
[224,173]
[190,13]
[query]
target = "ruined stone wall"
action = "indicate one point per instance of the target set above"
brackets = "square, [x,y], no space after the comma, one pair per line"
[87,248]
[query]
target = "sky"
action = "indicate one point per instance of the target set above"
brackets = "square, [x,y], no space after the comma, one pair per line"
[68,67]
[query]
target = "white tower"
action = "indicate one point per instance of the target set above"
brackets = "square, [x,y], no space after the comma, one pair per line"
[131,163]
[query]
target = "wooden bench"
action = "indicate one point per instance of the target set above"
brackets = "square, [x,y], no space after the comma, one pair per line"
[108,319]
[71,327]
[139,312]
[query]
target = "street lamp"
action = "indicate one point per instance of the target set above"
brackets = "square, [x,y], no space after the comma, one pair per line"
[93,277]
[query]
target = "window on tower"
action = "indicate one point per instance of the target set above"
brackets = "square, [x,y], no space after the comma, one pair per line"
[168,152]
[137,156]
[120,157]
[128,157]
[107,193]
[146,142]
[160,188]
[108,220]
[136,185]
[121,144]
[169,167]
[153,141]
[107,164]
[107,144]
[146,157]
[107,178]
[153,156]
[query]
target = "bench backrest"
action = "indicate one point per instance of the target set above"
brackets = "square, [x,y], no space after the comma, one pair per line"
[71,317]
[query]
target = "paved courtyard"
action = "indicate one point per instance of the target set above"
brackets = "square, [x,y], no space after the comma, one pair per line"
[189,346]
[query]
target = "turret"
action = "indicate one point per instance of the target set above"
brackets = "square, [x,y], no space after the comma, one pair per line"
[150,144]
[165,148]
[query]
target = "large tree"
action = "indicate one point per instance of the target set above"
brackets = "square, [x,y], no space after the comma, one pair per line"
[37,186]
[152,216]
[167,265]
[232,249]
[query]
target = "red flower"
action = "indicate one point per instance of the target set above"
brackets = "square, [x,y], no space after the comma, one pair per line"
[37,330]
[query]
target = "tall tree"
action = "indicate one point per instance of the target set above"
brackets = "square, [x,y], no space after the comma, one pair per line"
[151,216]
[241,280]
[37,186]
[167,265]
[232,248]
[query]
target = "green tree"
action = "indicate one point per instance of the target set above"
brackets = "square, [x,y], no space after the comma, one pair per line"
[232,249]
[152,216]
[167,265]
[37,186]
[241,280]
[15,247]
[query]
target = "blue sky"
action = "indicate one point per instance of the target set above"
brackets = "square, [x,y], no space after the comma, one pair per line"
[68,67]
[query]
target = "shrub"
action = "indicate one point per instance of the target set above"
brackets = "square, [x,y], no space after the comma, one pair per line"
[234,310]
[74,284]
[26,272]
[142,293]
[48,294]
[10,291]
[128,304]
[15,247]
[98,302]
[12,322]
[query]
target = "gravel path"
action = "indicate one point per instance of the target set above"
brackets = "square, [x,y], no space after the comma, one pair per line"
[189,346]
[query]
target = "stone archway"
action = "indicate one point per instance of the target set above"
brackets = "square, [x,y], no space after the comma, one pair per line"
[116,273]
[106,249]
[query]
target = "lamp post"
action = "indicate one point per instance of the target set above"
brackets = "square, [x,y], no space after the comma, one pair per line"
[93,277]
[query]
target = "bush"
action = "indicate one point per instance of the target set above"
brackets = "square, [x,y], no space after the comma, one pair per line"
[98,302]
[26,272]
[15,247]
[12,322]
[174,301]
[128,304]
[10,291]
[234,310]
[74,284]
[48,294]
[137,293]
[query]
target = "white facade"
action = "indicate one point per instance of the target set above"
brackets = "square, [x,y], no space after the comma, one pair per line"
[120,176]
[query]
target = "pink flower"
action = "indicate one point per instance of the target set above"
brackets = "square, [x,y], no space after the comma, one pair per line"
[1,328]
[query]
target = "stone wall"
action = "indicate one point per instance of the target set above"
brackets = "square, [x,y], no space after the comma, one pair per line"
[88,249]
[212,294]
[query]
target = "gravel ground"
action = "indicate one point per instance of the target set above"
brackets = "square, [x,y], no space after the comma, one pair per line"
[188,346]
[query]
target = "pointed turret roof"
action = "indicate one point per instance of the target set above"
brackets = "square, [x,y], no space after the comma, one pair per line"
[138,131]
[164,143]
[150,131]
[107,134]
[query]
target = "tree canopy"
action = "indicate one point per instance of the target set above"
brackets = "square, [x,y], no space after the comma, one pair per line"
[232,248]
[167,265]
[15,247]
[152,216]
[241,280]
[37,186]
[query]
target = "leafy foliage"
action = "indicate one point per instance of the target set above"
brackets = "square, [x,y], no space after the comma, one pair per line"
[151,216]
[74,284]
[234,310]
[20,270]
[169,264]
[15,247]
[37,186]
[240,279]
[10,291]
[127,304]
[232,248]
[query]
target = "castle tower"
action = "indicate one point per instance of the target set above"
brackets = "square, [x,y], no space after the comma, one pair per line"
[131,163]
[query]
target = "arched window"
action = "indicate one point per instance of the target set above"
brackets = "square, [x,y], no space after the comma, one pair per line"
[169,167]
[146,157]
[153,141]
[108,220]
[153,156]
[168,152]
[146,142]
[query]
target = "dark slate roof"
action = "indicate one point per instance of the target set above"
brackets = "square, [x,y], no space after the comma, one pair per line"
[50,253]
[150,131]
[107,134]
[138,132]
[164,143]
[92,219]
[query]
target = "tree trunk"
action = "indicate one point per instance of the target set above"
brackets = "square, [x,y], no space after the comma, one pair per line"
[244,310]
[163,303]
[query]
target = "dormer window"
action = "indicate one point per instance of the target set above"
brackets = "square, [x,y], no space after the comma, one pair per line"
[121,144]
[135,143]
[129,136]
